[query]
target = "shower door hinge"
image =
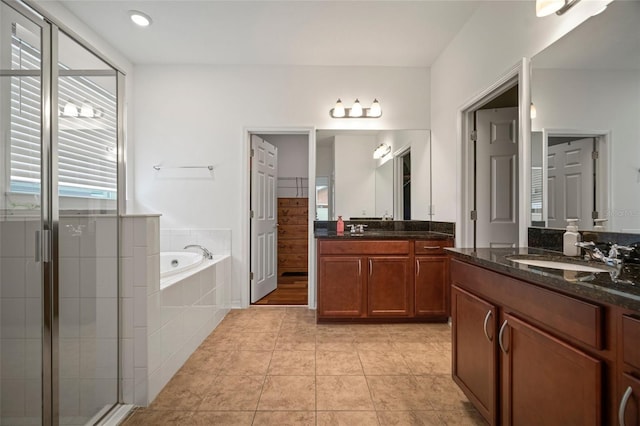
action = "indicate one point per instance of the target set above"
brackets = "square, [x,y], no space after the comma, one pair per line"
[253,152]
[251,214]
[251,276]
[595,155]
[474,136]
[474,215]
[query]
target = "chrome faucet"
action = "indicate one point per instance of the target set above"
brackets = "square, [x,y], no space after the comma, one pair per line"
[357,229]
[206,253]
[594,253]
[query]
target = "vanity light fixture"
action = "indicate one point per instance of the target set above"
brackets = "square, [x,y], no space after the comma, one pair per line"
[559,7]
[356,111]
[139,18]
[382,150]
[85,111]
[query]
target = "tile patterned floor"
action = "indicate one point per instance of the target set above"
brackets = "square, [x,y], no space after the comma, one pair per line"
[276,366]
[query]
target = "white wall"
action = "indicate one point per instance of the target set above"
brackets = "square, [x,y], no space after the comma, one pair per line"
[293,162]
[355,171]
[598,101]
[196,114]
[495,38]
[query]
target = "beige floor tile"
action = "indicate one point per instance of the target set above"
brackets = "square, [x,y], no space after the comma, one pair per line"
[343,393]
[413,346]
[296,342]
[235,393]
[222,418]
[381,346]
[323,337]
[428,362]
[257,341]
[409,418]
[461,418]
[443,393]
[183,392]
[204,362]
[286,393]
[285,418]
[338,364]
[148,417]
[402,393]
[246,363]
[347,418]
[411,336]
[383,363]
[336,347]
[222,342]
[292,363]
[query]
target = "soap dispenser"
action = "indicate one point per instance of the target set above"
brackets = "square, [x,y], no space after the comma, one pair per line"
[340,226]
[570,238]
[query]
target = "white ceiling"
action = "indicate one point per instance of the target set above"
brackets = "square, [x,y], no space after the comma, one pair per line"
[332,33]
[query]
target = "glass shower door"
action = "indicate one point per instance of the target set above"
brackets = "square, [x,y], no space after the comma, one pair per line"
[22,219]
[86,180]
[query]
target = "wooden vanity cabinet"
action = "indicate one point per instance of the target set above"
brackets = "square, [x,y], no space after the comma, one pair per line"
[432,291]
[628,410]
[475,351]
[377,279]
[514,336]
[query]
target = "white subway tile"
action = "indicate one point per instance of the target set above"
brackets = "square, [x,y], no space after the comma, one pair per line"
[33,278]
[127,354]
[139,307]
[33,318]
[126,244]
[14,238]
[69,358]
[33,398]
[12,318]
[69,241]
[106,359]
[141,395]
[126,283]
[70,277]
[140,347]
[154,341]
[155,384]
[140,232]
[128,396]
[107,237]
[12,361]
[153,235]
[88,318]
[107,277]
[13,276]
[126,306]
[154,318]
[153,273]
[69,397]
[88,277]
[139,267]
[106,318]
[88,239]
[69,318]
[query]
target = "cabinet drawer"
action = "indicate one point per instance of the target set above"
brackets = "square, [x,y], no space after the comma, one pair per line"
[631,341]
[574,318]
[363,247]
[432,246]
[293,202]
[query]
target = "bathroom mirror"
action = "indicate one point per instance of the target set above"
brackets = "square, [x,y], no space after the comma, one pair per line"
[353,184]
[585,153]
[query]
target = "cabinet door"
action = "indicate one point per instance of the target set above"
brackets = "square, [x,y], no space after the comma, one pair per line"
[341,286]
[389,286]
[475,350]
[545,380]
[431,286]
[629,408]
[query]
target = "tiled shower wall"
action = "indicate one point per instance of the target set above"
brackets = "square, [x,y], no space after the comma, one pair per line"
[217,241]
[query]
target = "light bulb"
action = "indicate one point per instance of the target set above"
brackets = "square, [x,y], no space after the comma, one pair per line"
[375,110]
[139,18]
[338,110]
[534,111]
[547,7]
[86,110]
[356,109]
[70,110]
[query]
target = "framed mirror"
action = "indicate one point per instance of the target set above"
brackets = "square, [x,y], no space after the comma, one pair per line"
[373,174]
[585,156]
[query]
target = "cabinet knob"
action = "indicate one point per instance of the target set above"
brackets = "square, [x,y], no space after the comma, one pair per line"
[623,405]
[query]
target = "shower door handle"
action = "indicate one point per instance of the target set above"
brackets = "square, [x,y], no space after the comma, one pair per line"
[38,247]
[42,253]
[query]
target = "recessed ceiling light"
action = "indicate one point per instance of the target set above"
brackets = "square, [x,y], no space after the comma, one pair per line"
[139,18]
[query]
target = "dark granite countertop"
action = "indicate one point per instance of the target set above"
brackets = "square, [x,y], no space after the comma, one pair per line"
[383,235]
[622,290]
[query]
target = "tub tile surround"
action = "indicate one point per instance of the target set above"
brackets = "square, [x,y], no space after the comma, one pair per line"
[162,328]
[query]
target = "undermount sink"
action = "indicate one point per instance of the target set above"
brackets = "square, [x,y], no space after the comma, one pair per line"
[558,264]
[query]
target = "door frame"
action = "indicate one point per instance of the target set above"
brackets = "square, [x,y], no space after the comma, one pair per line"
[517,75]
[398,176]
[245,265]
[603,172]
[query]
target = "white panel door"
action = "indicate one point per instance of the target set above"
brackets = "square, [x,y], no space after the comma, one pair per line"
[570,183]
[264,226]
[497,177]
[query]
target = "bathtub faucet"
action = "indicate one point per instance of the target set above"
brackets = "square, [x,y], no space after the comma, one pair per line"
[206,253]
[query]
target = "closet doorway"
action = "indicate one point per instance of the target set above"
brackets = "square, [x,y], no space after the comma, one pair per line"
[291,220]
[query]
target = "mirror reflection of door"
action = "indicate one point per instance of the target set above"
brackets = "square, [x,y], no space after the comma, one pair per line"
[406,186]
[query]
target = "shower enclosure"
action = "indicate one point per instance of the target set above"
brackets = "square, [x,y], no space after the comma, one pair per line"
[60,121]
